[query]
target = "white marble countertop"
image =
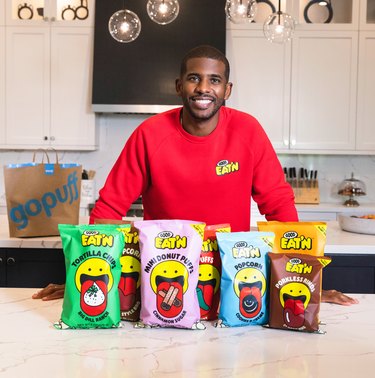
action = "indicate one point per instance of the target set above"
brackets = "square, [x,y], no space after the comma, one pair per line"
[338,241]
[31,347]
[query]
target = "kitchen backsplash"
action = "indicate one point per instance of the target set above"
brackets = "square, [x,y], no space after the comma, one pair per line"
[116,128]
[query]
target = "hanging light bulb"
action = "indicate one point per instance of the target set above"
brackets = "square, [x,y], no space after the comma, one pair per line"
[124,26]
[163,11]
[279,26]
[241,11]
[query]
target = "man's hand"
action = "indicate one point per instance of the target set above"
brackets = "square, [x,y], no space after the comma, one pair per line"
[334,296]
[52,291]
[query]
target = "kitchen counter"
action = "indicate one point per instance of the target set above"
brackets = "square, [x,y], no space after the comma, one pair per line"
[30,346]
[338,241]
[364,208]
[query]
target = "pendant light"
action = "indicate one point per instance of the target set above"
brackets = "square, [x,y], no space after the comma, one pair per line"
[124,25]
[241,11]
[163,11]
[278,26]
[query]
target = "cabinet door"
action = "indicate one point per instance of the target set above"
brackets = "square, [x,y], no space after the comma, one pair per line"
[72,120]
[367,15]
[3,272]
[260,72]
[34,267]
[352,273]
[2,85]
[323,100]
[366,92]
[2,13]
[27,86]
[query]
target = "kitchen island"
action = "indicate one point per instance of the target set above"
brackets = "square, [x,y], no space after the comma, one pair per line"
[31,347]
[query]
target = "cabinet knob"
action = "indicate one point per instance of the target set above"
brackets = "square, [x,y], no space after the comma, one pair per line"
[45,138]
[53,19]
[45,18]
[1,260]
[11,261]
[52,138]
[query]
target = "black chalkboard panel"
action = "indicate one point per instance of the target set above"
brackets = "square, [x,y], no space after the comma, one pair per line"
[139,77]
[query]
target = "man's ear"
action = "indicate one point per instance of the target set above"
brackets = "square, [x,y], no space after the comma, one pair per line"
[228,90]
[178,86]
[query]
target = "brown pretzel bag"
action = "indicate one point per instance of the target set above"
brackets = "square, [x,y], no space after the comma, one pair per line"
[295,291]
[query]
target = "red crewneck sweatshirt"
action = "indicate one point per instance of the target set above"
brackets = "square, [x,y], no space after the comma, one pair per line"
[209,179]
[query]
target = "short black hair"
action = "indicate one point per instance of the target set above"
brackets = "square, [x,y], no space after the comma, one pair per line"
[205,51]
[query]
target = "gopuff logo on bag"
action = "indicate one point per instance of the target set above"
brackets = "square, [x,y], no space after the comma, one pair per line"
[33,207]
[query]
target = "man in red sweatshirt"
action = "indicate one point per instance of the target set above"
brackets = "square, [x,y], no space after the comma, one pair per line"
[203,161]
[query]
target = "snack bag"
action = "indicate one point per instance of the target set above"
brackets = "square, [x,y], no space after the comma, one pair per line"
[170,251]
[244,278]
[92,261]
[295,291]
[130,281]
[297,237]
[208,289]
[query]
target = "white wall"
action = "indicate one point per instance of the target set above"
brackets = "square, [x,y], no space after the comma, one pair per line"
[116,128]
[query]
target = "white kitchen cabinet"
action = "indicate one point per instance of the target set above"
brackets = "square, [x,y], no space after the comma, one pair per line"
[303,92]
[2,13]
[323,96]
[48,83]
[2,72]
[366,78]
[260,72]
[366,92]
[367,15]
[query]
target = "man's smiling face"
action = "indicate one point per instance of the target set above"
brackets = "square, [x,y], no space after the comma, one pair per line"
[203,87]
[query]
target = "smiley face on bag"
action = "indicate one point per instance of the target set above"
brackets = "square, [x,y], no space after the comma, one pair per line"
[129,282]
[294,298]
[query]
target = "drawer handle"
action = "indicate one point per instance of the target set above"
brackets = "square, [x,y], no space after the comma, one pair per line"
[11,261]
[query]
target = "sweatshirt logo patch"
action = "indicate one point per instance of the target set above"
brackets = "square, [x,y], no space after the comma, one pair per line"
[224,167]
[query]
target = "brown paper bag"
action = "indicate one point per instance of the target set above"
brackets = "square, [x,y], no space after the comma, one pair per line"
[39,196]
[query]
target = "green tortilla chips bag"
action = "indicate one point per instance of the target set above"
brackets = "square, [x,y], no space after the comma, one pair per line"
[93,270]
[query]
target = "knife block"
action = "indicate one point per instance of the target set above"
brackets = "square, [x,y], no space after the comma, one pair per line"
[307,195]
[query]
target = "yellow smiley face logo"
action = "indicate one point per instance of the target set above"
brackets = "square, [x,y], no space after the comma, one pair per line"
[208,273]
[131,266]
[295,291]
[250,277]
[94,267]
[169,271]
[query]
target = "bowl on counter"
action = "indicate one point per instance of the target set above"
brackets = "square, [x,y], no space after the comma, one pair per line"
[358,223]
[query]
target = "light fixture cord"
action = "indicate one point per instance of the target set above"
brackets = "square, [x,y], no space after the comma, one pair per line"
[279,12]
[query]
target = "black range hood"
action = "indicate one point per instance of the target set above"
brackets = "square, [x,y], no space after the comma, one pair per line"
[139,77]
